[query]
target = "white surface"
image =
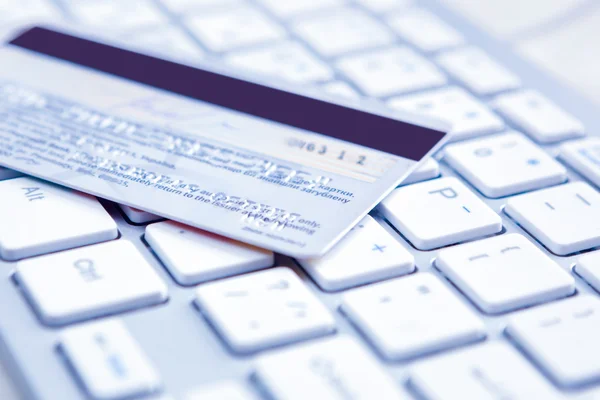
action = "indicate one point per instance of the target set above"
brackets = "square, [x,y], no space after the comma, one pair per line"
[588,267]
[411,316]
[223,390]
[89,282]
[504,272]
[411,24]
[584,157]
[291,8]
[263,309]
[338,368]
[138,216]
[469,116]
[366,254]
[108,360]
[504,164]
[562,337]
[490,371]
[568,51]
[510,18]
[439,212]
[288,60]
[234,27]
[539,117]
[478,71]
[391,71]
[345,29]
[193,256]
[428,170]
[560,36]
[38,217]
[560,217]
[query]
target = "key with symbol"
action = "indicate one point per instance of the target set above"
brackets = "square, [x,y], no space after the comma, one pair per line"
[412,316]
[489,371]
[504,272]
[338,368]
[366,254]
[108,360]
[584,157]
[504,164]
[564,218]
[38,217]
[438,213]
[562,337]
[89,282]
[538,116]
[263,309]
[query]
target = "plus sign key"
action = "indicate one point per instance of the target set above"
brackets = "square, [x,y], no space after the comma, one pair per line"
[438,213]
[368,253]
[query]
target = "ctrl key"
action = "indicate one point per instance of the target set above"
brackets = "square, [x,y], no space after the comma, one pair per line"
[108,361]
[89,282]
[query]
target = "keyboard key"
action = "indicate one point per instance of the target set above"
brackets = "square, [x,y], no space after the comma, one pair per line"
[138,216]
[292,8]
[412,23]
[333,368]
[563,218]
[108,360]
[233,28]
[38,217]
[428,170]
[584,157]
[214,256]
[6,173]
[366,254]
[288,60]
[469,116]
[345,30]
[116,15]
[504,273]
[539,117]
[89,282]
[339,88]
[438,213]
[391,71]
[478,71]
[263,309]
[588,267]
[224,390]
[490,371]
[562,338]
[408,317]
[380,6]
[503,165]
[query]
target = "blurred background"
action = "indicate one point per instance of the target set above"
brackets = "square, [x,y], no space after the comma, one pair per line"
[559,35]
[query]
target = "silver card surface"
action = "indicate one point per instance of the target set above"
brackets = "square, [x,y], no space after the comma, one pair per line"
[274,166]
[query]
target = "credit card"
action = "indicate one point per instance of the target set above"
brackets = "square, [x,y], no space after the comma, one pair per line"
[254,159]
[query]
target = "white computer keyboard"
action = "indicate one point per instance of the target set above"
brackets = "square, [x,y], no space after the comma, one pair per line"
[476,279]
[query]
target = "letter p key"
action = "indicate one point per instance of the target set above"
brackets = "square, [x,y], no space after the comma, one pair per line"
[447,192]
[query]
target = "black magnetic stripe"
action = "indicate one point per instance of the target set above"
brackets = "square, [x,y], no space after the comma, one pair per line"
[377,132]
